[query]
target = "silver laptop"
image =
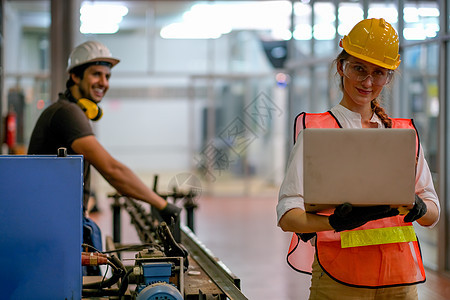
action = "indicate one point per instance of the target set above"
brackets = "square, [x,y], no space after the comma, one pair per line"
[360,166]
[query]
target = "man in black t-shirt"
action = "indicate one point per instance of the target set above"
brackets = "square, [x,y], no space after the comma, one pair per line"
[59,126]
[66,123]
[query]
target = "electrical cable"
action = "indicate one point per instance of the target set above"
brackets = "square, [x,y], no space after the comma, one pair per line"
[125,281]
[119,271]
[135,247]
[104,276]
[99,293]
[91,247]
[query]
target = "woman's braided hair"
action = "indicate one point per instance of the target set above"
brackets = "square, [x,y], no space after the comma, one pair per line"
[381,113]
[376,107]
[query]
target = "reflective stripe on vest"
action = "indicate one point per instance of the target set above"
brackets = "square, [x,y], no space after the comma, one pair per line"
[377,236]
[380,253]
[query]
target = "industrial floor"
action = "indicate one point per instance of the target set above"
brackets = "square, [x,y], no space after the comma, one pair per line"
[242,233]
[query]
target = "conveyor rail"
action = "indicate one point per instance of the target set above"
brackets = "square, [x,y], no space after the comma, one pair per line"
[216,270]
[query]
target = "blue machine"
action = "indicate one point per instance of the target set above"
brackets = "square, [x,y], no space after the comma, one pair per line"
[158,291]
[156,285]
[40,227]
[155,272]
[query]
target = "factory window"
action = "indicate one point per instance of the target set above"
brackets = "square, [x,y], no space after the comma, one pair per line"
[324,29]
[421,20]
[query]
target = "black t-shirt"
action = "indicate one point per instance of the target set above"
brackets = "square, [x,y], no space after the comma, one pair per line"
[58,126]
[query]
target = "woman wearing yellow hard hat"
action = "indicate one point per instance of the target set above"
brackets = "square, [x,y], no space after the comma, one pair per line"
[386,262]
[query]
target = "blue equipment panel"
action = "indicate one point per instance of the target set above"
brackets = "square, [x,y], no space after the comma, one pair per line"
[41,227]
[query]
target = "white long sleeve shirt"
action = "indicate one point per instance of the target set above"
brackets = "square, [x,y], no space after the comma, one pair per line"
[291,190]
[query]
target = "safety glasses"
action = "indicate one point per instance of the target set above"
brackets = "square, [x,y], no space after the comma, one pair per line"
[357,71]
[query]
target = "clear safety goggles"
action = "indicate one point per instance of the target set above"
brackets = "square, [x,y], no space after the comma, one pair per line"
[356,71]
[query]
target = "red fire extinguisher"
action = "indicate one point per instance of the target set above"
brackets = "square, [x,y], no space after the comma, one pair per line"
[11,129]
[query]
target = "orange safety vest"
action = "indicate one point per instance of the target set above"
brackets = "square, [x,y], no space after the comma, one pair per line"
[381,253]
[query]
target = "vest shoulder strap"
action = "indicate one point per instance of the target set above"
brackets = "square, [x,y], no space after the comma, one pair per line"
[402,123]
[314,120]
[408,124]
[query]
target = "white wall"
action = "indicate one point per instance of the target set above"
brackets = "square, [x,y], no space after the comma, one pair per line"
[147,134]
[152,132]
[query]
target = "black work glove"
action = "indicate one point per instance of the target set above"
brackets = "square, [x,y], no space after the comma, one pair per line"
[169,212]
[347,216]
[306,236]
[419,209]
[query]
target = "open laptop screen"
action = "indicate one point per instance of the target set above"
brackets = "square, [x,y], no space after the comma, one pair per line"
[359,166]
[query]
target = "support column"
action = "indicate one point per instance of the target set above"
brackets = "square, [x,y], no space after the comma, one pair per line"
[65,24]
[444,145]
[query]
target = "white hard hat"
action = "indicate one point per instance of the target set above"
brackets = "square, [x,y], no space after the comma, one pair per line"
[90,51]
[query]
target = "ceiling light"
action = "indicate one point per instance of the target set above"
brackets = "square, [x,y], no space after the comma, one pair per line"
[213,20]
[101,18]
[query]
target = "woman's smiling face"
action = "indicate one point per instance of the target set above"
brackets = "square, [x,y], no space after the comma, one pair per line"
[362,81]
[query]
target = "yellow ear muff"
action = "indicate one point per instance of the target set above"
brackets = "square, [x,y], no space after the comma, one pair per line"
[90,108]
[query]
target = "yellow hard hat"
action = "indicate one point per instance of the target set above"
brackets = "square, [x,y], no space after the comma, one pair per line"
[375,41]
